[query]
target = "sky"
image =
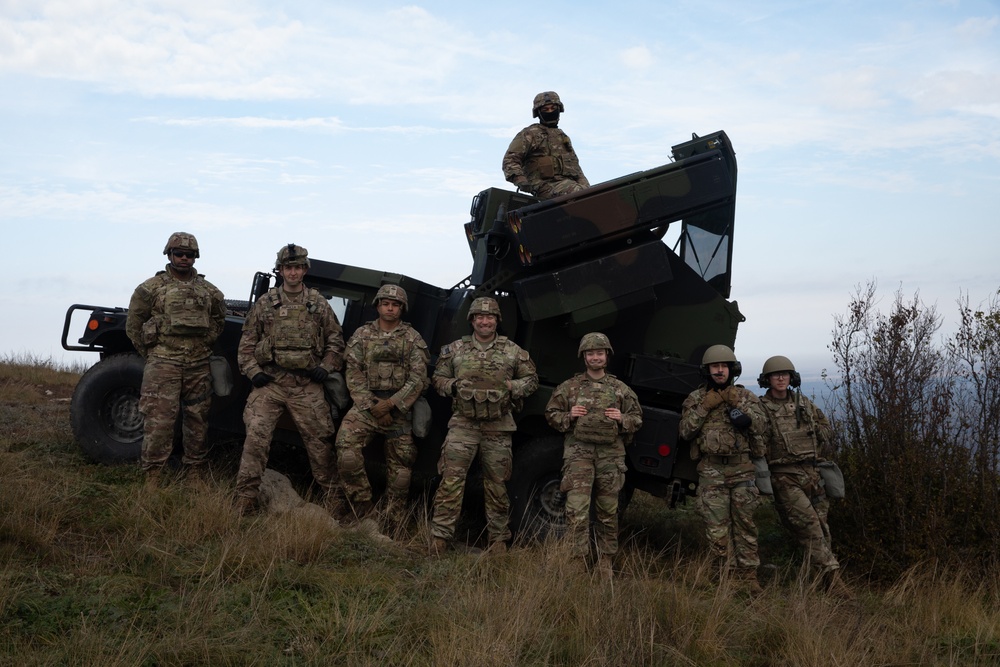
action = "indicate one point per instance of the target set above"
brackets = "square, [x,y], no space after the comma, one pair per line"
[867,137]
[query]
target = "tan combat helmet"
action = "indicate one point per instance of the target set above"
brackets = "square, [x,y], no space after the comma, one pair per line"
[394,292]
[485,305]
[777,364]
[548,97]
[182,241]
[594,341]
[292,255]
[722,354]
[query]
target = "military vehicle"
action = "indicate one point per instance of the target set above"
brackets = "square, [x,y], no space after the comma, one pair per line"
[595,260]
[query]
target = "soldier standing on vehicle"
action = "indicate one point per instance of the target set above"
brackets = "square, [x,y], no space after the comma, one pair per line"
[724,424]
[386,374]
[487,376]
[173,320]
[291,343]
[597,412]
[540,160]
[798,437]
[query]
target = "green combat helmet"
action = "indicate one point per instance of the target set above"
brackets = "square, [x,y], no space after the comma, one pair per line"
[548,97]
[182,241]
[778,364]
[484,305]
[594,341]
[722,354]
[292,255]
[394,292]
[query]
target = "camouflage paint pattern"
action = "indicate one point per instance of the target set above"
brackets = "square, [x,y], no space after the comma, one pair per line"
[727,494]
[168,388]
[591,468]
[277,317]
[381,365]
[541,160]
[467,360]
[795,442]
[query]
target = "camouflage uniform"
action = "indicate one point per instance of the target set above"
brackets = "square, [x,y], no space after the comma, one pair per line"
[381,364]
[795,442]
[593,454]
[286,336]
[173,323]
[727,493]
[542,160]
[475,374]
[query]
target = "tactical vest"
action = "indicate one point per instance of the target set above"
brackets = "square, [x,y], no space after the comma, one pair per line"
[294,332]
[719,437]
[549,162]
[790,441]
[482,382]
[386,362]
[186,308]
[594,427]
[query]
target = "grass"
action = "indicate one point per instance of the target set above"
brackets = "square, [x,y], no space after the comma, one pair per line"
[96,569]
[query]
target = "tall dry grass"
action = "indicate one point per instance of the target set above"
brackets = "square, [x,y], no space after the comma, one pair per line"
[96,569]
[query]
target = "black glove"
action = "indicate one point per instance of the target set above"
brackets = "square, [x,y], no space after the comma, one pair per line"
[739,418]
[260,379]
[318,374]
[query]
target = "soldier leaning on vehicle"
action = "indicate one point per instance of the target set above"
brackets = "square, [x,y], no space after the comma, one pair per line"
[173,320]
[291,342]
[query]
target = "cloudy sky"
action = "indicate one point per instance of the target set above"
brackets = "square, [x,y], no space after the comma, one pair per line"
[867,135]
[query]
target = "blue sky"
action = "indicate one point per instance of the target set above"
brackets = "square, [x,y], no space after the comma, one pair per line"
[867,135]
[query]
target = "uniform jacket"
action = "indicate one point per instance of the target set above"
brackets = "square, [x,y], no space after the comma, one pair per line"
[711,432]
[539,153]
[596,395]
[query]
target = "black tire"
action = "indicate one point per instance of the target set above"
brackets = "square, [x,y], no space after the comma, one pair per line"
[536,507]
[104,412]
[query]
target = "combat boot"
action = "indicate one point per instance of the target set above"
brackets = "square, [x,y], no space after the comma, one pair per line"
[603,569]
[246,505]
[361,508]
[198,476]
[335,502]
[835,585]
[497,548]
[438,546]
[156,478]
[747,578]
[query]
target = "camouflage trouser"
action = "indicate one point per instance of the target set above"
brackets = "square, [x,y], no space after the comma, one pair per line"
[457,453]
[550,189]
[803,508]
[356,431]
[598,470]
[727,497]
[307,406]
[169,388]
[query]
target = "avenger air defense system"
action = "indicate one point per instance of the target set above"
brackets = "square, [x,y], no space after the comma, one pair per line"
[595,260]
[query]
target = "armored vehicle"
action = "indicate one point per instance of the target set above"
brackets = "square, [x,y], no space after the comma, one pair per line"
[596,260]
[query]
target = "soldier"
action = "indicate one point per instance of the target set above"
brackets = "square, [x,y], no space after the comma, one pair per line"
[291,342]
[724,423]
[597,412]
[798,437]
[487,376]
[173,320]
[540,159]
[386,374]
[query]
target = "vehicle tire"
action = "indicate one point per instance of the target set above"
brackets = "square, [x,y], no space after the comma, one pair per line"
[104,412]
[536,507]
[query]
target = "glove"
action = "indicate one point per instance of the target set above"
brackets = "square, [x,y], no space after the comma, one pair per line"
[260,379]
[739,418]
[523,186]
[712,400]
[732,395]
[318,374]
[381,409]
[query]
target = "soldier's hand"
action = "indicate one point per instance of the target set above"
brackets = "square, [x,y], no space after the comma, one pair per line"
[739,418]
[577,411]
[382,408]
[523,185]
[732,395]
[261,379]
[712,400]
[318,374]
[385,421]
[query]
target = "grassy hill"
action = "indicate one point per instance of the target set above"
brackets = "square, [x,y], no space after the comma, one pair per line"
[96,569]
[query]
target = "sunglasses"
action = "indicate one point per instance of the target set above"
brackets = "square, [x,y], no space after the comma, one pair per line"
[182,253]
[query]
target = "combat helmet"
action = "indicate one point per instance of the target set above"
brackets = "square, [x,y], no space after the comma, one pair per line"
[394,292]
[721,354]
[182,241]
[484,305]
[548,97]
[778,364]
[292,255]
[594,341]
